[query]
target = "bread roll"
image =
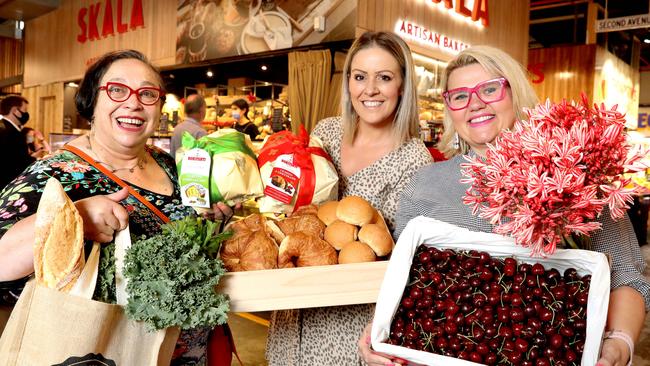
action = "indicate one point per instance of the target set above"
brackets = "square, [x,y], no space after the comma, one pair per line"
[340,233]
[379,219]
[58,245]
[356,252]
[327,212]
[355,210]
[378,238]
[303,250]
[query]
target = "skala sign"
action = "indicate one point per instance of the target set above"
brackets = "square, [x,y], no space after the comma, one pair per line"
[478,11]
[427,37]
[88,19]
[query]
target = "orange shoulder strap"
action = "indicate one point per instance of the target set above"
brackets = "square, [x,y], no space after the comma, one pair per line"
[117,180]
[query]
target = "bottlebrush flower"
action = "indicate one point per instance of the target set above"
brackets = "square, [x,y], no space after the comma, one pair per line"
[553,175]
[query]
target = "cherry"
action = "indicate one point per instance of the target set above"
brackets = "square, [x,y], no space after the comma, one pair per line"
[488,310]
[537,269]
[408,303]
[556,341]
[521,345]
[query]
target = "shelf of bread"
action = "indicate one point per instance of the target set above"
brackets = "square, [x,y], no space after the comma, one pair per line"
[318,256]
[303,287]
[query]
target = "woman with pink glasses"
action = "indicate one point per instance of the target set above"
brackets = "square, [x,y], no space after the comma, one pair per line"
[485,93]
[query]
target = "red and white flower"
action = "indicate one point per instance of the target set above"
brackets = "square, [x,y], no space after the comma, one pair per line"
[553,175]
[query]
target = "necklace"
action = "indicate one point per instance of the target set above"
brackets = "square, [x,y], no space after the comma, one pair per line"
[142,161]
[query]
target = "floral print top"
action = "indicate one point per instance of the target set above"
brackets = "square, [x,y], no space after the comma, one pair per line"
[20,199]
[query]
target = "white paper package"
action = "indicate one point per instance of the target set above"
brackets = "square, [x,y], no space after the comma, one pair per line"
[428,231]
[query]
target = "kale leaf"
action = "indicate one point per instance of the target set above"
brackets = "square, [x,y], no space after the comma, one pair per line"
[172,276]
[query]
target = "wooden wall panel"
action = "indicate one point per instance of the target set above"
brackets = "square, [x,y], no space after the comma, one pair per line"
[53,54]
[45,107]
[507,30]
[11,57]
[567,71]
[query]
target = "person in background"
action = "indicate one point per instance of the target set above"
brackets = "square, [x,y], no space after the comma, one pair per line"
[375,147]
[13,146]
[121,94]
[36,144]
[485,91]
[239,111]
[195,109]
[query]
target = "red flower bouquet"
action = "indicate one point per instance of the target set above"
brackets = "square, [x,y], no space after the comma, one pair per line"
[552,176]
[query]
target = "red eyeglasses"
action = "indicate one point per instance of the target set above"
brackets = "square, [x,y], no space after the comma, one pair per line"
[488,91]
[119,92]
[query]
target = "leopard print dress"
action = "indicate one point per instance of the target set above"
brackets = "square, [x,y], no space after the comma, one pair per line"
[328,336]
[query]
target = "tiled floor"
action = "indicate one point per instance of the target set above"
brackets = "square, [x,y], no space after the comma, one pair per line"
[249,332]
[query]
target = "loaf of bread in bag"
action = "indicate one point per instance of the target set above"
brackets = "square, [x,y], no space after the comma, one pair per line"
[58,248]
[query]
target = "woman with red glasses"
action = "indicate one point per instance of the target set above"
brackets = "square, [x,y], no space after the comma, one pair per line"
[121,95]
[485,93]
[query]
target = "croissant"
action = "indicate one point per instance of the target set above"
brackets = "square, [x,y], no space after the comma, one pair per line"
[251,247]
[309,224]
[304,250]
[252,222]
[250,251]
[306,210]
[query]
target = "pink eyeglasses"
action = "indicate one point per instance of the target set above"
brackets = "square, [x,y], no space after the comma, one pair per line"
[488,91]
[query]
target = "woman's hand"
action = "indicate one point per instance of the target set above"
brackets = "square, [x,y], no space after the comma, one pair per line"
[103,215]
[221,212]
[373,358]
[615,352]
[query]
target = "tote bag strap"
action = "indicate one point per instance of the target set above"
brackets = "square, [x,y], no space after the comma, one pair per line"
[85,285]
[122,244]
[116,179]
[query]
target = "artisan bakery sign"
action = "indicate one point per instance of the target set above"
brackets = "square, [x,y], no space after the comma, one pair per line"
[103,15]
[428,37]
[475,10]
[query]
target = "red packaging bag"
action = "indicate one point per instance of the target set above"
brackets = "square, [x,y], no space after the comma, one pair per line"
[295,171]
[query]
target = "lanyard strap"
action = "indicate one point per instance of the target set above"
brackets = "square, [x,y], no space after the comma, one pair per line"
[117,180]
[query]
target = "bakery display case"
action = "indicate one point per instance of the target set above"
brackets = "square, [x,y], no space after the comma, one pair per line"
[430,103]
[58,139]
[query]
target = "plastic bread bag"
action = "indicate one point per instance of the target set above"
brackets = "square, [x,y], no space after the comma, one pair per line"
[296,171]
[427,231]
[220,167]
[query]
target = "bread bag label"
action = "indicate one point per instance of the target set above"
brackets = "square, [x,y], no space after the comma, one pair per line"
[284,179]
[194,178]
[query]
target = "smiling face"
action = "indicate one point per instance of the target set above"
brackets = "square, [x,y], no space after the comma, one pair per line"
[479,123]
[375,85]
[127,124]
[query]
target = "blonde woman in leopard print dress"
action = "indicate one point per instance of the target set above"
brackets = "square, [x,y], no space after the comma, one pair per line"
[376,150]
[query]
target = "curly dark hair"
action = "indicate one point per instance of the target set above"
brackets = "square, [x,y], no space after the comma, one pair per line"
[86,97]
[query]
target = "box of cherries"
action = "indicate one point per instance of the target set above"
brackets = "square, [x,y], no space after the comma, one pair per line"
[451,296]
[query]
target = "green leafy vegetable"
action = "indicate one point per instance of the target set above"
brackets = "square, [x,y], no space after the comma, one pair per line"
[172,276]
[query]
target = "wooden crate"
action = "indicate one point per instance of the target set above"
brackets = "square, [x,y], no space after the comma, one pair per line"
[305,287]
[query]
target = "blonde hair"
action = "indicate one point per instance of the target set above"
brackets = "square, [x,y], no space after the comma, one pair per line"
[405,124]
[499,64]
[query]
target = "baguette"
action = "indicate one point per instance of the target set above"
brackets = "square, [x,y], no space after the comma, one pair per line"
[58,247]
